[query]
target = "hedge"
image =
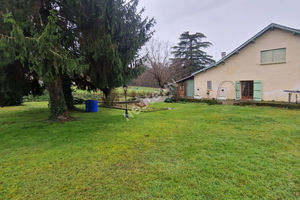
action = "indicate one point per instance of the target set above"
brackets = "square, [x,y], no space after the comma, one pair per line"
[270,104]
[191,100]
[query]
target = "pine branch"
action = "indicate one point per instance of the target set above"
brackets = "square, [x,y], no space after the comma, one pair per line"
[12,38]
[8,37]
[33,39]
[56,54]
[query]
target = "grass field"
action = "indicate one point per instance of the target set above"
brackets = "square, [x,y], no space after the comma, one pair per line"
[194,151]
[87,95]
[138,89]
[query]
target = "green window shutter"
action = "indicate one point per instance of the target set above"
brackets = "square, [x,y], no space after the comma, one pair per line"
[237,90]
[190,88]
[257,90]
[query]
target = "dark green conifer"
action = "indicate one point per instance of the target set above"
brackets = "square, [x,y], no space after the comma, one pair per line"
[189,52]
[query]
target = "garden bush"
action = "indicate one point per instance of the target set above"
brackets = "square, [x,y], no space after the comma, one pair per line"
[208,101]
[78,101]
[112,99]
[10,99]
[191,100]
[170,100]
[40,98]
[132,93]
[268,103]
[87,96]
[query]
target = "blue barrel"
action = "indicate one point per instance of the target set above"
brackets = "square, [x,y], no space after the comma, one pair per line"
[91,106]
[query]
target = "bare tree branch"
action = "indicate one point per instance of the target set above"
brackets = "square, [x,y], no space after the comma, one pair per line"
[158,58]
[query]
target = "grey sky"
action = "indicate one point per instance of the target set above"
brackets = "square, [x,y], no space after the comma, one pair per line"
[226,23]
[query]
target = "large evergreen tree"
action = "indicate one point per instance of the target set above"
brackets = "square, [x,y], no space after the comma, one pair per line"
[51,37]
[189,52]
[17,81]
[35,36]
[113,31]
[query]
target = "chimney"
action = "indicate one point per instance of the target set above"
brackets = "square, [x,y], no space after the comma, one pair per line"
[223,54]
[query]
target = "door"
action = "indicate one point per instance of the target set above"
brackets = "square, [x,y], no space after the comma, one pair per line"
[190,88]
[197,94]
[222,94]
[247,90]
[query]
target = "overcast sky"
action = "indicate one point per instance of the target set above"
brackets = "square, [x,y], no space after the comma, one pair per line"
[226,23]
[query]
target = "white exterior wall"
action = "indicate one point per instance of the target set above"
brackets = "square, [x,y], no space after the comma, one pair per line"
[246,66]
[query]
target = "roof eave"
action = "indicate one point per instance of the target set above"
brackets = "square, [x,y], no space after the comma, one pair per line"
[186,78]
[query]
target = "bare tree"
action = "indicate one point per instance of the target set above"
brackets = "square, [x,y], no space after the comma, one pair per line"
[179,69]
[158,58]
[146,79]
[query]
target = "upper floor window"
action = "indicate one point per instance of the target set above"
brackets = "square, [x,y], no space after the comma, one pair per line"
[273,56]
[209,85]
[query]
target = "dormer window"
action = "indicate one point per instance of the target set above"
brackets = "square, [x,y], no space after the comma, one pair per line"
[273,56]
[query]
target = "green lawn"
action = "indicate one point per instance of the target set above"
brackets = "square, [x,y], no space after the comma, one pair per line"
[194,151]
[138,89]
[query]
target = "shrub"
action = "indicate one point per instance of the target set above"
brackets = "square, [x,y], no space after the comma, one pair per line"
[78,96]
[270,104]
[141,94]
[180,99]
[208,101]
[11,99]
[31,98]
[132,94]
[149,94]
[77,101]
[87,96]
[170,100]
[121,93]
[111,99]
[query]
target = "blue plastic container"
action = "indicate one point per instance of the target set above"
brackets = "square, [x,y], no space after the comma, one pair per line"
[91,106]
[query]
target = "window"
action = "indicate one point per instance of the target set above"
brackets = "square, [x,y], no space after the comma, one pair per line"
[209,85]
[273,56]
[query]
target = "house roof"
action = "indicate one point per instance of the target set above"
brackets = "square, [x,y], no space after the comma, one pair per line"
[186,78]
[270,27]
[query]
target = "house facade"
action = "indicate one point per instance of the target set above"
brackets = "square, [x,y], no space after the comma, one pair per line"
[260,69]
[185,87]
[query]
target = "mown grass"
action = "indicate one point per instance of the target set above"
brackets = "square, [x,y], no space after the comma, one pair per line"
[194,151]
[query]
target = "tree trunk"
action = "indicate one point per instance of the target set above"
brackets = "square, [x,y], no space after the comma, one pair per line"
[106,98]
[57,103]
[106,93]
[67,84]
[161,91]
